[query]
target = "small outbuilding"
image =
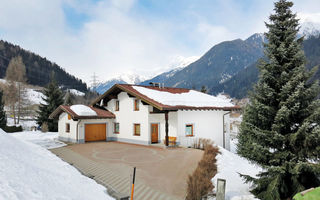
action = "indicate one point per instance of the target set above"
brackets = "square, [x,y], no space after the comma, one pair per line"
[81,123]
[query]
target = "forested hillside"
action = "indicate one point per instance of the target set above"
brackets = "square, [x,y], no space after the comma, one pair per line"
[219,64]
[239,85]
[38,69]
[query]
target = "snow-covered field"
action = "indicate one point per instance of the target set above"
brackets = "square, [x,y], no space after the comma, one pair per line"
[29,171]
[26,124]
[229,165]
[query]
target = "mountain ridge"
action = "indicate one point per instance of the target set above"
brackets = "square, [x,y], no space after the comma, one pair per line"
[38,69]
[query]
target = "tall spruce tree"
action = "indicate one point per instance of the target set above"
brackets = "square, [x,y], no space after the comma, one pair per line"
[3,118]
[53,99]
[281,125]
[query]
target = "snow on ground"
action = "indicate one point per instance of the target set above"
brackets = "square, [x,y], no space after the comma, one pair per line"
[83,110]
[76,92]
[191,98]
[47,140]
[28,171]
[34,96]
[26,124]
[229,165]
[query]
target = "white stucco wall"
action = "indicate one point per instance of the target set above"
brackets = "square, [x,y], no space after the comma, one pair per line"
[206,124]
[63,135]
[159,118]
[127,117]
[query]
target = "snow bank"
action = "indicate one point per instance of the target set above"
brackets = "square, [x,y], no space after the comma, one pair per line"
[28,171]
[83,110]
[191,98]
[229,165]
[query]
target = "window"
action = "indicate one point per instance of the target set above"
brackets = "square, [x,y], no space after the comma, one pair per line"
[116,128]
[136,130]
[136,104]
[67,128]
[117,105]
[69,117]
[189,130]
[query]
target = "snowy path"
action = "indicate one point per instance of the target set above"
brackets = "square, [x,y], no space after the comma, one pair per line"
[29,171]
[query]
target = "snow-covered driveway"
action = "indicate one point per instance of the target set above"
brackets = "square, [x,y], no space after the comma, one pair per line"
[29,171]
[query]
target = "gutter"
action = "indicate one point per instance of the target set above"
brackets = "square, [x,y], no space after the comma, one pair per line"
[224,137]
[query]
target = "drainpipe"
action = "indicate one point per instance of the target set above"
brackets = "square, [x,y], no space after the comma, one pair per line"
[77,133]
[166,116]
[224,137]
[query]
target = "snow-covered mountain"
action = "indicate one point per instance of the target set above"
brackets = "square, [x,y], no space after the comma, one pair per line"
[126,78]
[309,29]
[176,64]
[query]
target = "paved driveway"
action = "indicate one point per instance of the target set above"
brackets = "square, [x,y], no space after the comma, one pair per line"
[164,171]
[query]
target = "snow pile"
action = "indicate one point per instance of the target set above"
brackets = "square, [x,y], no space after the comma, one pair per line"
[76,92]
[28,171]
[191,98]
[47,140]
[229,165]
[83,110]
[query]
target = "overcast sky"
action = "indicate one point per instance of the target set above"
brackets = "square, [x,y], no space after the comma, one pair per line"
[110,37]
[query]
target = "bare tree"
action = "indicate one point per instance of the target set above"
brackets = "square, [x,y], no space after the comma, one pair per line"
[15,90]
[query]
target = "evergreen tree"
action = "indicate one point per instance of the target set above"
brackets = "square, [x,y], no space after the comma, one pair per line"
[68,100]
[204,89]
[3,118]
[280,129]
[53,99]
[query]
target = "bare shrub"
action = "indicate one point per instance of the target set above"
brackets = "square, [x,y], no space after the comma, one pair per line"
[44,127]
[199,183]
[201,143]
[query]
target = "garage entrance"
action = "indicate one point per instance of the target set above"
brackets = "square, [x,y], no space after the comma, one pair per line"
[95,132]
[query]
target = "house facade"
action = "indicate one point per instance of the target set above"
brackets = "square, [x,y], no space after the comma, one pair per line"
[149,114]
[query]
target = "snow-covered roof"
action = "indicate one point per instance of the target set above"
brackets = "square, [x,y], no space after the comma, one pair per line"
[83,110]
[167,98]
[191,98]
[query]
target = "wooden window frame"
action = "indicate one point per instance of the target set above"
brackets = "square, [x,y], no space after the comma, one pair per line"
[192,130]
[117,105]
[134,130]
[67,127]
[114,128]
[136,105]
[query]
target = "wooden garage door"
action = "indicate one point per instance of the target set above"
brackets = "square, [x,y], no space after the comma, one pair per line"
[95,132]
